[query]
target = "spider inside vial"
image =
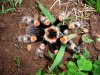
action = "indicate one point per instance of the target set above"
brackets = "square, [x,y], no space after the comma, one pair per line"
[42,30]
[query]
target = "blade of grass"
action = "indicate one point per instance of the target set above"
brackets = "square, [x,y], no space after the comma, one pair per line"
[86,53]
[20,2]
[97,39]
[18,61]
[12,3]
[39,72]
[68,19]
[71,36]
[98,6]
[89,3]
[3,8]
[3,1]
[58,57]
[9,9]
[51,55]
[92,2]
[46,12]
[3,11]
[86,39]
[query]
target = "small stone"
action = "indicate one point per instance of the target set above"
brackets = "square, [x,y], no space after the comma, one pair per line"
[29,47]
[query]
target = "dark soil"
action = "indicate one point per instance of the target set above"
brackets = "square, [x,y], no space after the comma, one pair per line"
[10,29]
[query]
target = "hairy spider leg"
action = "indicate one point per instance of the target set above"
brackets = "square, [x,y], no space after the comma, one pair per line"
[45,20]
[54,48]
[57,22]
[63,28]
[24,38]
[70,45]
[64,39]
[40,49]
[43,44]
[31,30]
[37,23]
[36,38]
[43,25]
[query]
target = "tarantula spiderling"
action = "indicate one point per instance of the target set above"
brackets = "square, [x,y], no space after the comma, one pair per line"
[42,30]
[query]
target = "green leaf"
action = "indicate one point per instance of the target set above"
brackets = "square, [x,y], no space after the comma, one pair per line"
[95,4]
[86,53]
[63,73]
[71,66]
[51,55]
[58,57]
[84,65]
[96,68]
[9,9]
[12,3]
[18,61]
[3,1]
[46,74]
[81,73]
[97,39]
[89,3]
[46,12]
[71,72]
[3,10]
[92,2]
[98,6]
[58,24]
[39,72]
[76,56]
[86,39]
[68,18]
[71,36]
[20,2]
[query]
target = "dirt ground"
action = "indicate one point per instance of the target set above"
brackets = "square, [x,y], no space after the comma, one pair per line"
[9,30]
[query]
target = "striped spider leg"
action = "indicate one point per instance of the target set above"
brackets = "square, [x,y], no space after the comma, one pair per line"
[40,49]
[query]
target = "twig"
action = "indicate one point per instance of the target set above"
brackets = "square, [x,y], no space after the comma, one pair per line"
[54,4]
